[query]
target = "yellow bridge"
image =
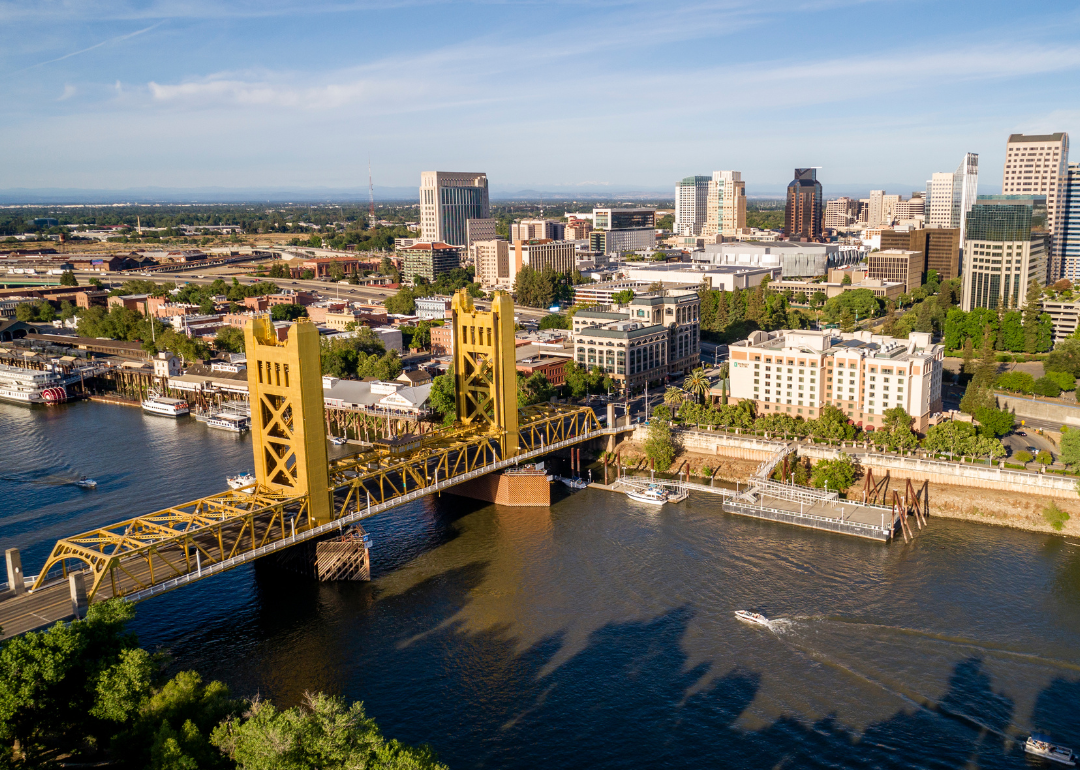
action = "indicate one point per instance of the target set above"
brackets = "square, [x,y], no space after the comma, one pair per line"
[299,495]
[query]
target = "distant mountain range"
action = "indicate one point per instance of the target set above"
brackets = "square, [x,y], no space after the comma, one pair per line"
[209,195]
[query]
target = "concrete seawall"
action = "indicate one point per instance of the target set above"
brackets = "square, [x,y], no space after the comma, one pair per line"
[936,471]
[1037,409]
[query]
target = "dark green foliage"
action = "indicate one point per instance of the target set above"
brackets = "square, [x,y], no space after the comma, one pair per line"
[446,284]
[1054,516]
[993,422]
[68,279]
[534,389]
[287,312]
[229,339]
[1016,382]
[838,474]
[443,397]
[359,356]
[1064,380]
[1044,386]
[555,321]
[1065,357]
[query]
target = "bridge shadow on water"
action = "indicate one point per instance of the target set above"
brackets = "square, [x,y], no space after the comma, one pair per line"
[628,699]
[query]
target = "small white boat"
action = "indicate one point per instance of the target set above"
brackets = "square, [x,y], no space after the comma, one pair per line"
[240,480]
[574,483]
[85,483]
[1040,745]
[752,617]
[337,440]
[653,495]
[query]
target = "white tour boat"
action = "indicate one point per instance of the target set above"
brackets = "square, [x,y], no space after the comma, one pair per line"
[752,617]
[168,407]
[85,483]
[31,386]
[653,495]
[1040,745]
[236,423]
[240,480]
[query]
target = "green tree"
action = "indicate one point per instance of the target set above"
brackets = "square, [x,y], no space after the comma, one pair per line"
[229,339]
[67,278]
[555,321]
[993,422]
[1070,448]
[837,475]
[96,283]
[847,320]
[1054,516]
[697,383]
[1032,311]
[287,312]
[1044,386]
[1065,357]
[817,299]
[659,445]
[623,297]
[1064,380]
[402,303]
[443,397]
[846,280]
[534,389]
[322,734]
[673,397]
[950,437]
[1022,457]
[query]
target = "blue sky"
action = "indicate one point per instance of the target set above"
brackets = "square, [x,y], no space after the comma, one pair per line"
[544,95]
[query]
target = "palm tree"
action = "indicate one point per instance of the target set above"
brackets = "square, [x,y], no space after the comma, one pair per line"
[673,397]
[697,383]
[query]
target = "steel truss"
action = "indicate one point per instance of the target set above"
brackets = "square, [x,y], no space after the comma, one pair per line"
[137,554]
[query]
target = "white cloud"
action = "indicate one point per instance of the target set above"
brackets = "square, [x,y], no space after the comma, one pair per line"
[69,91]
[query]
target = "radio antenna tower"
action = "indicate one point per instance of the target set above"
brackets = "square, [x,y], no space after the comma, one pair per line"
[371,194]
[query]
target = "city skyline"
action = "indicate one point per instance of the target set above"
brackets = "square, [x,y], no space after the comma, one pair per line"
[185,95]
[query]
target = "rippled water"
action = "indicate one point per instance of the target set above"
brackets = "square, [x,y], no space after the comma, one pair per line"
[599,633]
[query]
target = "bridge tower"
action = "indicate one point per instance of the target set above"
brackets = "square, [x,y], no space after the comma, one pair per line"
[485,373]
[287,428]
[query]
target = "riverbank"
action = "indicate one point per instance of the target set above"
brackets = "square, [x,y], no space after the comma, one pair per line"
[1003,508]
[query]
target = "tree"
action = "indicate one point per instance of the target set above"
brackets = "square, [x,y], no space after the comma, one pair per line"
[896,418]
[1064,380]
[993,422]
[443,397]
[96,283]
[673,396]
[623,297]
[1070,448]
[555,321]
[847,320]
[817,299]
[289,312]
[229,339]
[1065,357]
[67,278]
[950,437]
[1032,311]
[659,446]
[1022,457]
[846,280]
[577,379]
[534,389]
[1044,386]
[838,474]
[697,383]
[1016,382]
[321,734]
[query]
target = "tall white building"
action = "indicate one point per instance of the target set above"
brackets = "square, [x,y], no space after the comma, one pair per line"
[448,200]
[1038,165]
[874,215]
[951,196]
[725,205]
[691,198]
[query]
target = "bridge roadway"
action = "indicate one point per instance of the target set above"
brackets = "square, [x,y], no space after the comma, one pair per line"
[149,555]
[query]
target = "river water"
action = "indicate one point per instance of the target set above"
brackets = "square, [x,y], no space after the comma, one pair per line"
[597,633]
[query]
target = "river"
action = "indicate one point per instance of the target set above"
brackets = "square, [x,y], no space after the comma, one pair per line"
[597,633]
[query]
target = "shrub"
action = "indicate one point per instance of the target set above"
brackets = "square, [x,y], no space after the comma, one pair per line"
[1054,516]
[1022,457]
[1063,380]
[1015,467]
[1044,457]
[1016,382]
[1044,386]
[706,471]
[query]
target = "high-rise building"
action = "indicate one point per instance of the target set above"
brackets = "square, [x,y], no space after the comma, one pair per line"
[1038,165]
[493,263]
[543,254]
[1070,224]
[725,206]
[691,198]
[480,230]
[951,196]
[618,229]
[428,260]
[873,217]
[578,229]
[803,212]
[1006,248]
[898,266]
[448,200]
[530,229]
[911,210]
[841,212]
[939,245]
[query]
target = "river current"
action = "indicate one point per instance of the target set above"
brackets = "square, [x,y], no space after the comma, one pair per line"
[598,633]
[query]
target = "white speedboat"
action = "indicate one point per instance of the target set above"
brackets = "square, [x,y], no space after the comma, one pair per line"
[337,440]
[240,480]
[1040,745]
[85,483]
[574,483]
[168,407]
[752,617]
[653,495]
